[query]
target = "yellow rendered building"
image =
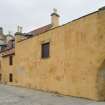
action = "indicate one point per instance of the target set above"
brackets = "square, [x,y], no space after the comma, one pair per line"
[67,59]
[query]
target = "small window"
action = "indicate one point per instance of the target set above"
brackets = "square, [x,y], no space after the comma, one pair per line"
[10,60]
[45,50]
[10,77]
[0,65]
[0,77]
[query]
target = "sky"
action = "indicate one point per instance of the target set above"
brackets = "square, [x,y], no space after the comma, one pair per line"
[31,14]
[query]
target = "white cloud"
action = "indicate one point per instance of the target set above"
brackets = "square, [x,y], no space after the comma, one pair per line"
[32,13]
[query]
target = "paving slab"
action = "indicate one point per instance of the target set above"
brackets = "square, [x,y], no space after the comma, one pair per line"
[10,95]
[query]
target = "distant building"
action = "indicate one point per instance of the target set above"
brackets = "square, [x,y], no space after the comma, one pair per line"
[68,59]
[2,39]
[9,37]
[2,36]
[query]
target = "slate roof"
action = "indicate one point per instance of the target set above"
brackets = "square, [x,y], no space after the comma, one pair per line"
[41,30]
[9,49]
[102,8]
[8,52]
[36,32]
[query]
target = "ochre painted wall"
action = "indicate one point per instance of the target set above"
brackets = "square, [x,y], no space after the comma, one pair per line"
[32,70]
[76,64]
[81,57]
[6,69]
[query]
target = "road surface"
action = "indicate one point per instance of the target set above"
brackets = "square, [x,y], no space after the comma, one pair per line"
[10,95]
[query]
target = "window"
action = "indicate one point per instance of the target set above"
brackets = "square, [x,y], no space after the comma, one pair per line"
[45,50]
[0,65]
[10,60]
[0,77]
[10,77]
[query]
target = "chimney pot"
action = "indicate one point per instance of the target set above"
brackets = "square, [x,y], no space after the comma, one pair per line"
[1,30]
[55,18]
[19,29]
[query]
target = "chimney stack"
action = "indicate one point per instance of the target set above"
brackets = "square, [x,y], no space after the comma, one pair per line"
[19,29]
[1,30]
[19,35]
[55,18]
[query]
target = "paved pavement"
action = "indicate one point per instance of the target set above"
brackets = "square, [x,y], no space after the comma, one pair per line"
[21,96]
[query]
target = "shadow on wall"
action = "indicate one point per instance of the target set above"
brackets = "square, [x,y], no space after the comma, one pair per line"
[101,81]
